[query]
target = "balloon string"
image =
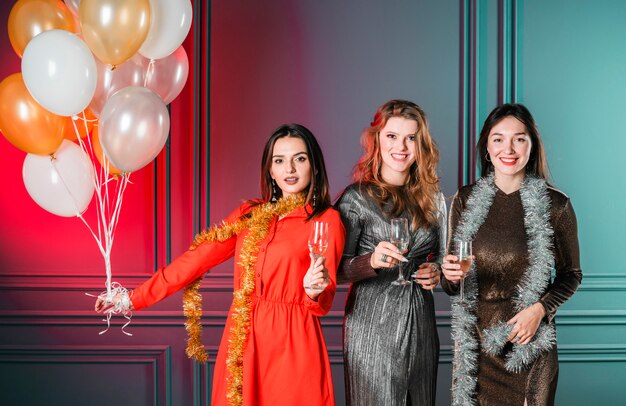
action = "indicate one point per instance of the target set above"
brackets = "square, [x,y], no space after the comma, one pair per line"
[149,73]
[93,120]
[106,220]
[102,211]
[118,205]
[83,145]
[122,306]
[87,148]
[104,252]
[67,189]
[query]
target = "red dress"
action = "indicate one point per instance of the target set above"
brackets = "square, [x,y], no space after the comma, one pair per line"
[285,360]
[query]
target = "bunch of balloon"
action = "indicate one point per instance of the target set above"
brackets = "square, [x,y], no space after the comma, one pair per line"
[96,78]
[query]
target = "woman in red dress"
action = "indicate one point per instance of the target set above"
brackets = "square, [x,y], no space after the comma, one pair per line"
[272,351]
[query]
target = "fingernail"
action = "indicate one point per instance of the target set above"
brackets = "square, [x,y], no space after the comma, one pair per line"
[404,259]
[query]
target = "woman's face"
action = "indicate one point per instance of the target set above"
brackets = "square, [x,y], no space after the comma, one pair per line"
[397,149]
[291,168]
[509,146]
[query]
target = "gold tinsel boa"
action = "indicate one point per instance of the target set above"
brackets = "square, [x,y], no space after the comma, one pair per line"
[258,225]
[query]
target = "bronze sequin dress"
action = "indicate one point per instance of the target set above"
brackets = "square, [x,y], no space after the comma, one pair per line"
[501,251]
[391,346]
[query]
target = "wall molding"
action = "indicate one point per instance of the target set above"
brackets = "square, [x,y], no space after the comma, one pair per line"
[507,51]
[73,282]
[468,56]
[592,353]
[157,356]
[590,317]
[607,282]
[565,317]
[568,353]
[65,282]
[603,282]
[149,318]
[334,318]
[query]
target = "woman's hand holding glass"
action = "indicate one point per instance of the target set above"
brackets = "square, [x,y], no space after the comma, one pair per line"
[386,255]
[318,243]
[455,272]
[458,264]
[452,269]
[400,237]
[316,278]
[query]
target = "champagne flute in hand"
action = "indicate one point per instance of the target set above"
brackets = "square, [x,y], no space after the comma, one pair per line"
[318,243]
[463,251]
[400,238]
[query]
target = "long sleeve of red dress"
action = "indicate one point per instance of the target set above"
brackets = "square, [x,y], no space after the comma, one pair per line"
[185,269]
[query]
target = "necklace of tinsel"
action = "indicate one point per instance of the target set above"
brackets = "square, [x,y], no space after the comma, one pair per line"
[257,223]
[534,282]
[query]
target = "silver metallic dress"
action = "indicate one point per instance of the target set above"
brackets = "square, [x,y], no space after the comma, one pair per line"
[391,346]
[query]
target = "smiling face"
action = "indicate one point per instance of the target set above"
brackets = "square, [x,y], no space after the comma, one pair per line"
[291,168]
[509,146]
[397,149]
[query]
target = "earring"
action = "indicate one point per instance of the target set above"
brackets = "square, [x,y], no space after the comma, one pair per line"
[487,157]
[314,198]
[274,193]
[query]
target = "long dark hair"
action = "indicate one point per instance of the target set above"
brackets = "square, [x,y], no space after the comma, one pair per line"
[537,163]
[418,194]
[318,187]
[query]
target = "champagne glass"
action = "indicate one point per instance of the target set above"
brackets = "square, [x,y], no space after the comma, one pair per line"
[400,238]
[318,243]
[463,251]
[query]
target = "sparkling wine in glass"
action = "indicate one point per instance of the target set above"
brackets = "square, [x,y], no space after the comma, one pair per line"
[463,251]
[318,242]
[400,238]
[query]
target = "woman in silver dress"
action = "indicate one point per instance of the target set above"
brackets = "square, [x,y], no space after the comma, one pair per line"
[391,346]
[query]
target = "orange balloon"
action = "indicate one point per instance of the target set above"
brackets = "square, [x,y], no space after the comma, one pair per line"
[31,17]
[114,30]
[99,153]
[83,124]
[26,124]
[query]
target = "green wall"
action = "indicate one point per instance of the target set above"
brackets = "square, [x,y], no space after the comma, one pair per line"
[566,61]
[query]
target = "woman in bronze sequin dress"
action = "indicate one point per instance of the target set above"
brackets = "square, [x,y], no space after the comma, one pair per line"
[391,347]
[522,228]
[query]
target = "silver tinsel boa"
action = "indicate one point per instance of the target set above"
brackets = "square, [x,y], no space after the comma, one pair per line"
[536,204]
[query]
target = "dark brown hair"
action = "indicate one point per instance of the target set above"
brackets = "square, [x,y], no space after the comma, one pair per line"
[319,179]
[537,163]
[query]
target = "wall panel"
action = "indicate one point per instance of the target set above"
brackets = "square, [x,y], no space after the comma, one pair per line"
[75,375]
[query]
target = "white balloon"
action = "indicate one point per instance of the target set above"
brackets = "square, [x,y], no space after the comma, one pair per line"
[167,76]
[170,21]
[59,72]
[63,185]
[133,128]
